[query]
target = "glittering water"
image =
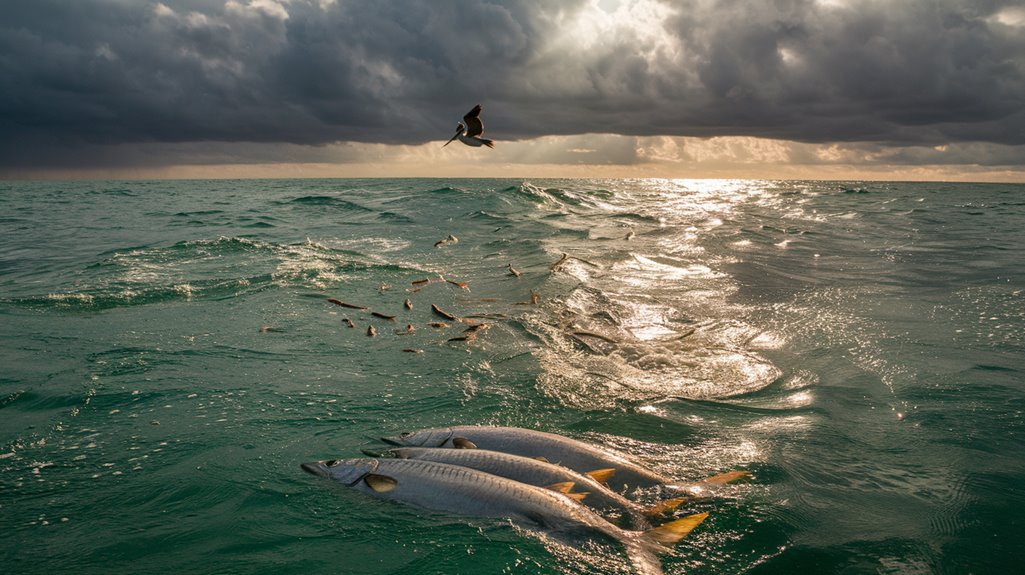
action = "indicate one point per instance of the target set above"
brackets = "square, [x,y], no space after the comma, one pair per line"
[169,357]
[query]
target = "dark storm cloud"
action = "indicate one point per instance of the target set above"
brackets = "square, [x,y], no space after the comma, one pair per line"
[916,71]
[78,74]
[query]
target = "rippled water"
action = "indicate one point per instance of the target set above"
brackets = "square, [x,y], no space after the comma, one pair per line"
[169,358]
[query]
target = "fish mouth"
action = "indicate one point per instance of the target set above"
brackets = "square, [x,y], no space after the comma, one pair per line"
[315,468]
[376,452]
[391,441]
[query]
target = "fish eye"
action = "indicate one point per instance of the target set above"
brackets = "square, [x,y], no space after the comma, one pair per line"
[331,462]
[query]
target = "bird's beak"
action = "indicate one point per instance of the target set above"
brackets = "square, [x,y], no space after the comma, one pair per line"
[450,141]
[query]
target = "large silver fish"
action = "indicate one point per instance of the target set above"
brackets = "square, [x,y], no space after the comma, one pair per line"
[576,455]
[586,487]
[465,491]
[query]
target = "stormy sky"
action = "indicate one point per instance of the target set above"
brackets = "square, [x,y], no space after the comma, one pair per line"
[127,83]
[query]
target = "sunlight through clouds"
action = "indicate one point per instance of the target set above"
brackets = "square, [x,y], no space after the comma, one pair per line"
[1011,16]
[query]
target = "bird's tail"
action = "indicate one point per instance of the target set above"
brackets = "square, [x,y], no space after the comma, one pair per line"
[488,143]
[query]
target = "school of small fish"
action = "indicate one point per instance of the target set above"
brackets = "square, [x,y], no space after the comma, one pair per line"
[475,323]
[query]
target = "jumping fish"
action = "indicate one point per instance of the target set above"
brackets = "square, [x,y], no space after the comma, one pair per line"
[461,285]
[371,332]
[534,299]
[576,455]
[581,332]
[470,333]
[348,322]
[513,271]
[454,489]
[558,264]
[543,474]
[437,310]
[408,304]
[449,240]
[382,315]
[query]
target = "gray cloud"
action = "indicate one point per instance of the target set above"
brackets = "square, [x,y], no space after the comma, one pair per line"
[77,75]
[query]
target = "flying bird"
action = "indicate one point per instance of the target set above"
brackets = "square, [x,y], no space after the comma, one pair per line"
[471,132]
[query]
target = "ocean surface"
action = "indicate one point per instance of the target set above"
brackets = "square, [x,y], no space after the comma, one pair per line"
[168,358]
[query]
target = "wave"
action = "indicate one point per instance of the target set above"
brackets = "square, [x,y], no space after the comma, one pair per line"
[443,190]
[198,213]
[109,297]
[123,192]
[534,194]
[393,217]
[327,201]
[210,269]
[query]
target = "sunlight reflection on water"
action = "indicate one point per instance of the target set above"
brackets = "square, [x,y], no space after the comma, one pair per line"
[656,319]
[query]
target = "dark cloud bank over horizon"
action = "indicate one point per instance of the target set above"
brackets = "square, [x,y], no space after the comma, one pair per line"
[88,73]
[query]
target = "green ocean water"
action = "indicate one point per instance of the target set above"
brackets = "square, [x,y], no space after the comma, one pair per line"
[168,357]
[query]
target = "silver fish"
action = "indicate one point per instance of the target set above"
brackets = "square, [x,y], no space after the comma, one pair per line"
[576,455]
[587,487]
[461,490]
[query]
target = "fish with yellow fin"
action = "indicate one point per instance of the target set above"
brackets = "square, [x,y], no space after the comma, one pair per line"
[461,490]
[574,454]
[590,486]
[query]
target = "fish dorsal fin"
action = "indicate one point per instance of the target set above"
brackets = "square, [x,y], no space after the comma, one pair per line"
[463,443]
[561,487]
[664,506]
[728,477]
[578,496]
[380,483]
[601,475]
[670,533]
[542,459]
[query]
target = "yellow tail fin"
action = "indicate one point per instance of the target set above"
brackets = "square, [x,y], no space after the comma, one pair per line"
[565,487]
[562,487]
[671,533]
[601,475]
[664,506]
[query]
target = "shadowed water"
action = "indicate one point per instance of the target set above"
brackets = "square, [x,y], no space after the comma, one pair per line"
[170,357]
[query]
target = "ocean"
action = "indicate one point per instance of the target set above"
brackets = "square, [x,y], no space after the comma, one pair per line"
[169,357]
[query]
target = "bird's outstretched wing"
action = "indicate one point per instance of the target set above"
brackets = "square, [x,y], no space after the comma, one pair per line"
[474,126]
